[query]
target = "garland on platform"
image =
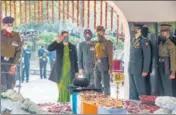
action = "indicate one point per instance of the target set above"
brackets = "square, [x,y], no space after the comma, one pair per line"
[52,11]
[95,12]
[68,9]
[117,31]
[14,4]
[63,11]
[88,15]
[112,11]
[10,7]
[106,14]
[77,12]
[47,12]
[59,10]
[101,13]
[73,11]
[34,12]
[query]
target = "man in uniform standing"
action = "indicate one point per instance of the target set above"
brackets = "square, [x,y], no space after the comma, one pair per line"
[103,64]
[86,57]
[11,45]
[26,60]
[42,54]
[139,65]
[167,60]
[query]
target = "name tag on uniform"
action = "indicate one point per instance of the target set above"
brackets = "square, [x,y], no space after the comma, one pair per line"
[92,49]
[6,58]
[99,61]
[14,44]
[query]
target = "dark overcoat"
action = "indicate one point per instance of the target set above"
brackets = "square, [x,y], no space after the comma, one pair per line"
[56,72]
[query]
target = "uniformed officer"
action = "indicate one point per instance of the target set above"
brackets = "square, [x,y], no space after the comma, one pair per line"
[103,64]
[86,57]
[11,45]
[168,27]
[26,55]
[139,65]
[167,60]
[42,54]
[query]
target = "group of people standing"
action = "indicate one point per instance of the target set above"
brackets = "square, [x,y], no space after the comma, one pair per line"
[93,60]
[43,56]
[140,65]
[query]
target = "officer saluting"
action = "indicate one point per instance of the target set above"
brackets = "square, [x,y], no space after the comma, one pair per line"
[103,62]
[11,45]
[167,60]
[139,65]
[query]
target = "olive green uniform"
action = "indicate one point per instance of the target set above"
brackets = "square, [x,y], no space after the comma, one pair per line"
[10,54]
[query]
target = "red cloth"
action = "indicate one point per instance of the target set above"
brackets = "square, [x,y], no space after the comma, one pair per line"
[116,66]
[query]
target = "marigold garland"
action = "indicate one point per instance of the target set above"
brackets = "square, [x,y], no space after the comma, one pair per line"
[34,12]
[10,7]
[106,14]
[20,12]
[68,9]
[95,12]
[73,11]
[77,12]
[14,4]
[59,15]
[63,11]
[88,14]
[5,6]
[112,11]
[83,5]
[101,13]
[47,12]
[52,11]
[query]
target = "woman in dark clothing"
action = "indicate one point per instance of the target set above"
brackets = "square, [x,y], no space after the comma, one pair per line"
[65,67]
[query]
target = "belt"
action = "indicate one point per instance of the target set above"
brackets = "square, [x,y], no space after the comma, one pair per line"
[162,59]
[6,58]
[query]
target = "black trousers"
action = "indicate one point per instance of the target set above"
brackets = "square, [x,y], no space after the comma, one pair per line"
[166,82]
[43,69]
[26,72]
[7,80]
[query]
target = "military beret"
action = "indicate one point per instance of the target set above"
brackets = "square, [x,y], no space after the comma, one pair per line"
[8,20]
[100,28]
[138,26]
[88,31]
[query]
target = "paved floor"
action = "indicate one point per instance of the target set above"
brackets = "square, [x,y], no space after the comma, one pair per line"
[41,91]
